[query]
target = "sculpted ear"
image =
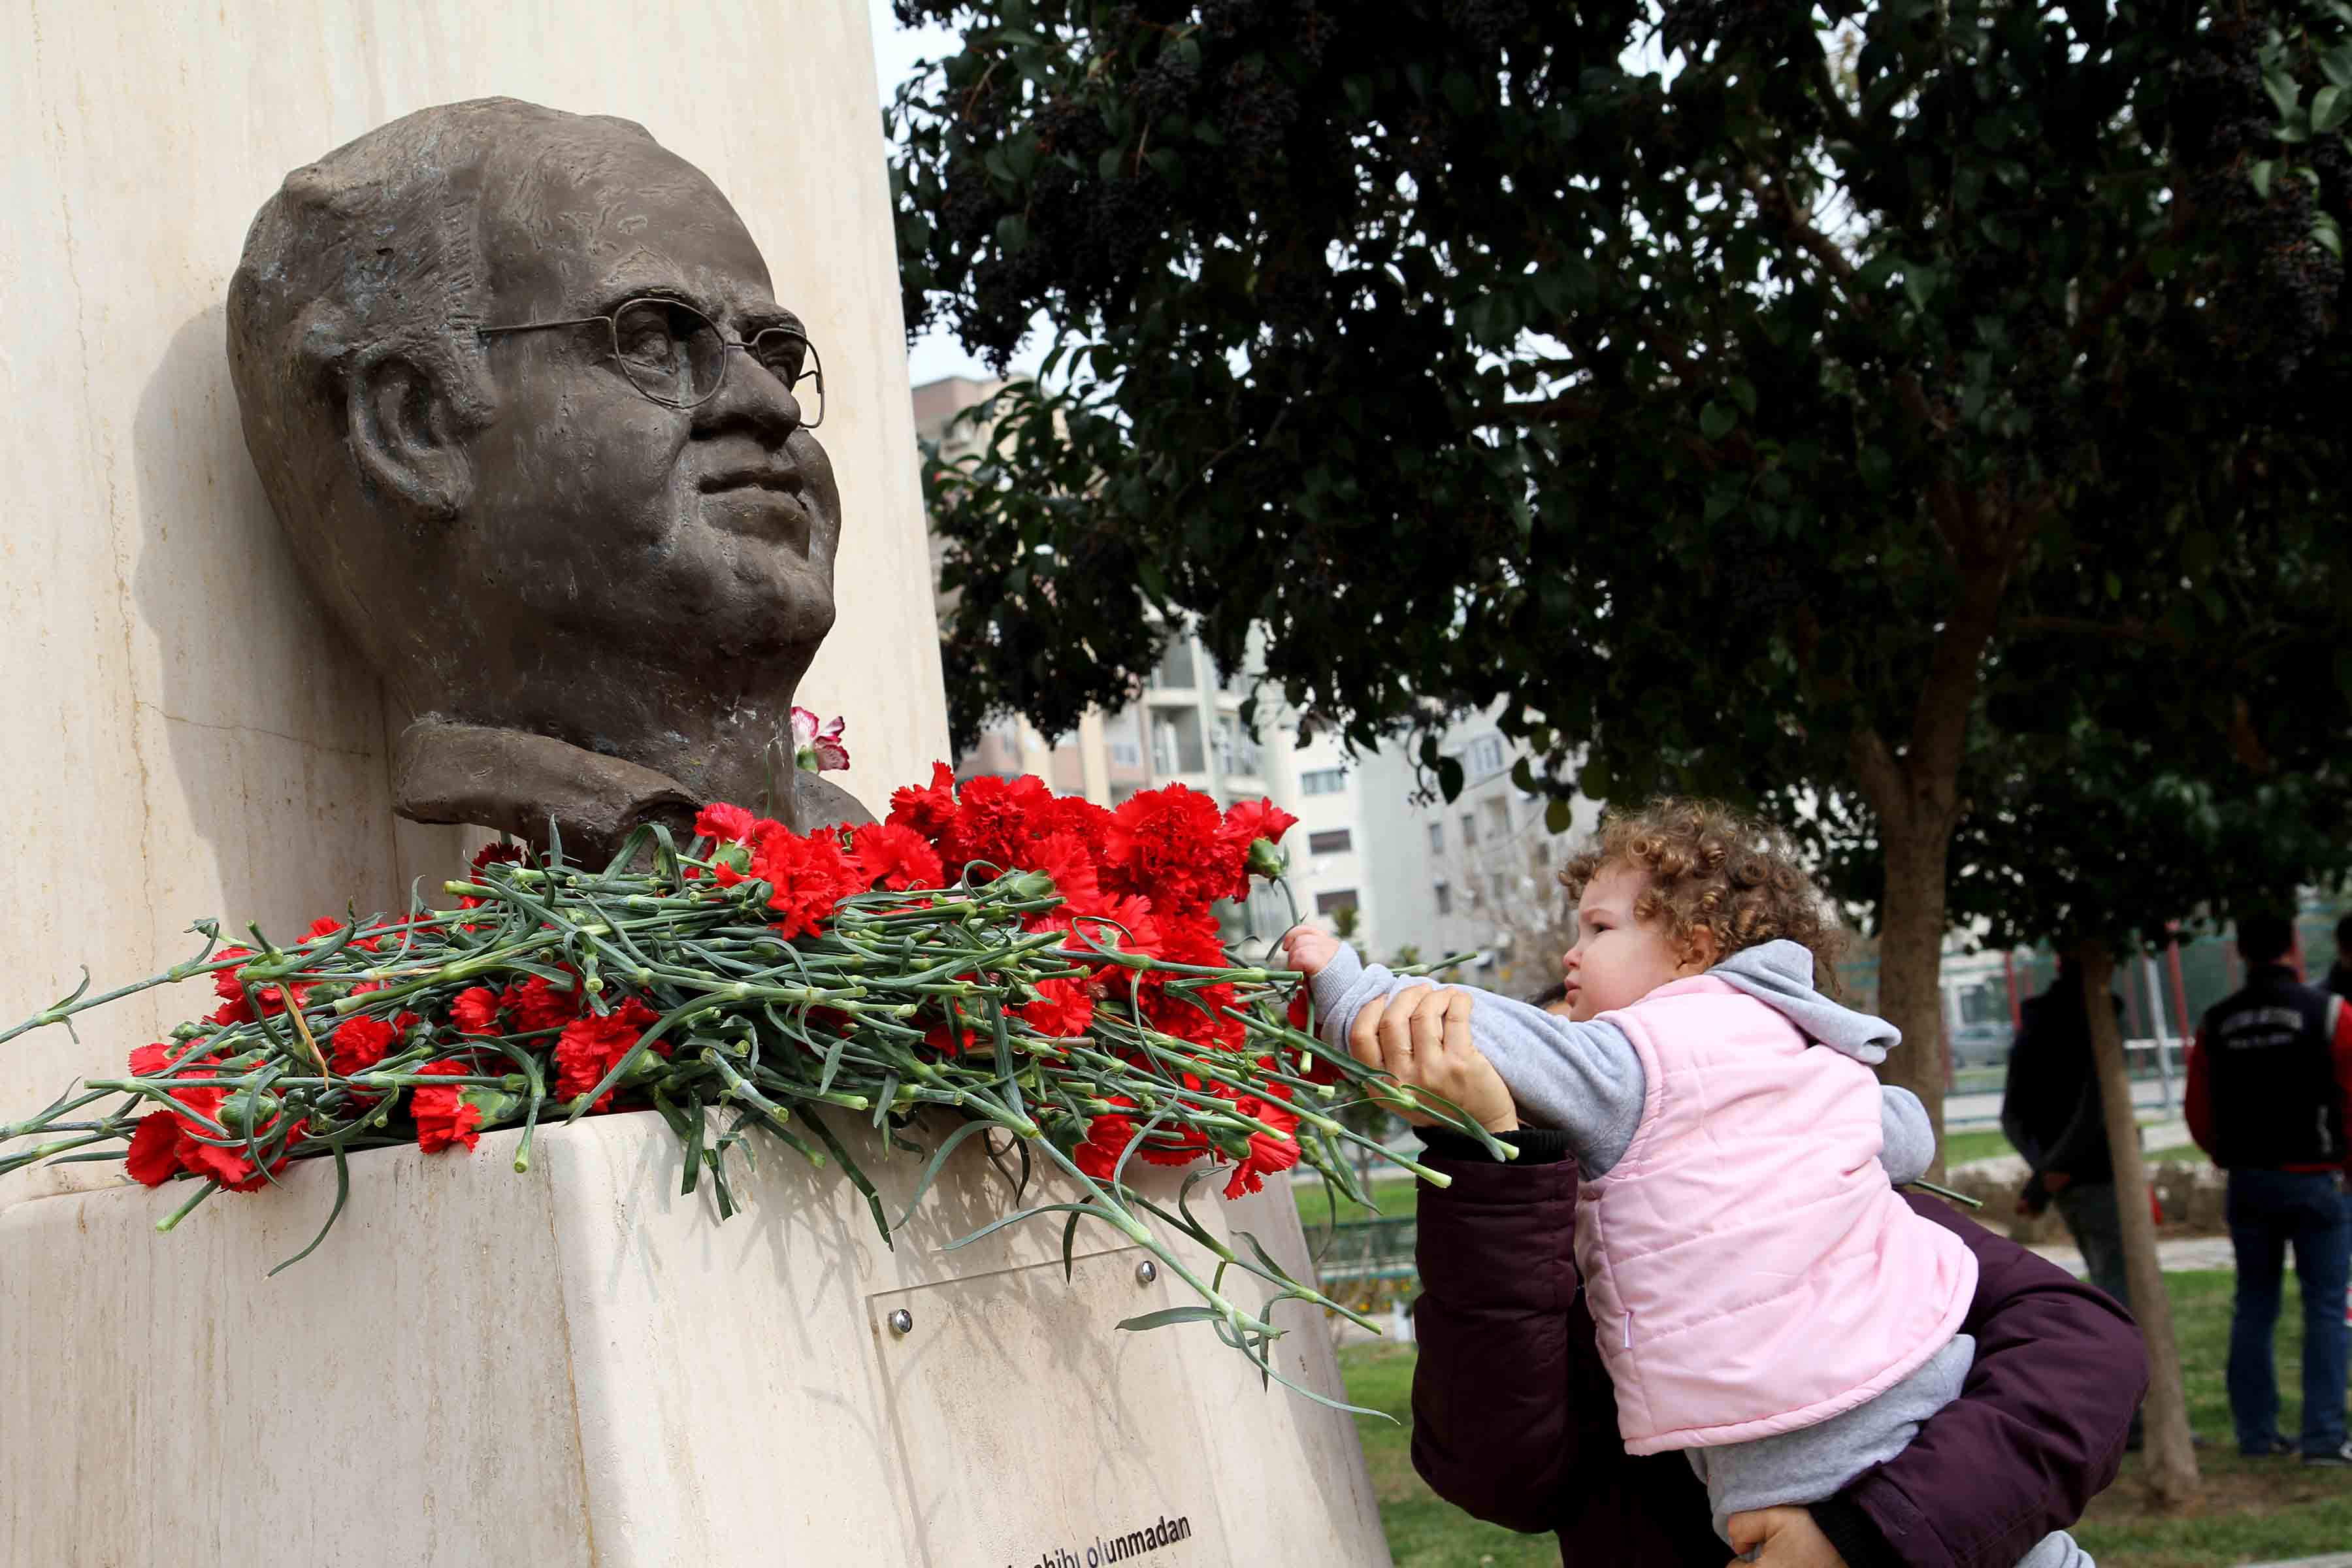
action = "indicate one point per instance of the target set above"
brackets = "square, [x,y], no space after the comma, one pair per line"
[406,437]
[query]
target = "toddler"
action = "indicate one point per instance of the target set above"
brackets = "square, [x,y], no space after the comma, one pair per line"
[1763,1299]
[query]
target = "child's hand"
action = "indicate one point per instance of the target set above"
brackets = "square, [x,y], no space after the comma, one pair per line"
[1781,1538]
[1308,950]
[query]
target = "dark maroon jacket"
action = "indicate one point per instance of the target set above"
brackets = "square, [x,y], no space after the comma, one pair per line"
[1515,1422]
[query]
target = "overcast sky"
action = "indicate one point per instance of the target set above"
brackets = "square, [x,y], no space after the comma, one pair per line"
[896,51]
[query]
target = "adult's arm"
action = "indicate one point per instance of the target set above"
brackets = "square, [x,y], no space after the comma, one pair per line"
[2037,1432]
[1514,1420]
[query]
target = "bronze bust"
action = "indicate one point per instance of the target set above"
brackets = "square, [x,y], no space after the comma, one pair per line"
[540,433]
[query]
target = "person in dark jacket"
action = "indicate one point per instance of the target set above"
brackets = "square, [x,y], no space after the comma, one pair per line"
[2339,974]
[1515,1420]
[2051,1113]
[2270,1098]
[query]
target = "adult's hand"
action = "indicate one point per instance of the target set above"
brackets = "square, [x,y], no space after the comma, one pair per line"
[1420,1036]
[1781,1538]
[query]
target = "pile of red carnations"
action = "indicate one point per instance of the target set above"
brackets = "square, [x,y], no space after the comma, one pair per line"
[1033,962]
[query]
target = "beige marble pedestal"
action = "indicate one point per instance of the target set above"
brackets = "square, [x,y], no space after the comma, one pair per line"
[579,1366]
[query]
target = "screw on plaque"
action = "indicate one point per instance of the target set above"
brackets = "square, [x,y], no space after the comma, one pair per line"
[1146,1272]
[902,1322]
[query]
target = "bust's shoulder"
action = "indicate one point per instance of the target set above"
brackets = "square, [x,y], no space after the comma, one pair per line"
[818,802]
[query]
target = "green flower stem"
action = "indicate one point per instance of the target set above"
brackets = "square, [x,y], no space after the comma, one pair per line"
[173,1219]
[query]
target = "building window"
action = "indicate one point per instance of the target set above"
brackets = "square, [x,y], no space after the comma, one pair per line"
[1437,838]
[1333,902]
[1176,741]
[1485,756]
[1323,780]
[1175,669]
[1469,830]
[1498,817]
[1237,753]
[1331,841]
[1444,899]
[1123,740]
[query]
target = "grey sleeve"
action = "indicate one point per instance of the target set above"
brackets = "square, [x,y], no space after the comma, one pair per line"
[1909,1138]
[1582,1079]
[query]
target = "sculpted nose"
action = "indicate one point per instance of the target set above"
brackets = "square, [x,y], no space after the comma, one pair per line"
[751,398]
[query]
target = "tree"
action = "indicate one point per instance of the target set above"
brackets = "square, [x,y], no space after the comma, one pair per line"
[1731,418]
[2095,839]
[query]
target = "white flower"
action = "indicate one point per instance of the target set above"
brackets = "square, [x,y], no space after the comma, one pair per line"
[817,746]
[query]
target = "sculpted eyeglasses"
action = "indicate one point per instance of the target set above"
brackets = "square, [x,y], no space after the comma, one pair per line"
[677,357]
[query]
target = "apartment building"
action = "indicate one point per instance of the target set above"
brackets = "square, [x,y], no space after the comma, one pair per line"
[1420,875]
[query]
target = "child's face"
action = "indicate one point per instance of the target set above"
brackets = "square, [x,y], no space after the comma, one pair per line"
[1617,959]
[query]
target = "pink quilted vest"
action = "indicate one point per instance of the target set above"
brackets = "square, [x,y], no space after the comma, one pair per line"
[1749,1269]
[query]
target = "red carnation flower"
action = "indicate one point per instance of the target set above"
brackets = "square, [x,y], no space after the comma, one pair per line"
[325,925]
[727,823]
[959,1041]
[1164,846]
[1254,828]
[442,1117]
[229,989]
[996,820]
[1107,1138]
[149,1062]
[893,856]
[1267,1157]
[807,876]
[927,811]
[1081,818]
[1063,1008]
[152,1157]
[1065,857]
[229,1167]
[537,1004]
[225,985]
[476,1010]
[590,1047]
[361,1044]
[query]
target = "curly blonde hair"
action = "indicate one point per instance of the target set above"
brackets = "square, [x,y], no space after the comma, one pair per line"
[1709,868]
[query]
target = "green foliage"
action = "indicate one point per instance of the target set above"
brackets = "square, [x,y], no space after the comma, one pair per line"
[1783,424]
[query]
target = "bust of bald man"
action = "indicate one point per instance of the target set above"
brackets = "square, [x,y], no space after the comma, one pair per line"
[523,399]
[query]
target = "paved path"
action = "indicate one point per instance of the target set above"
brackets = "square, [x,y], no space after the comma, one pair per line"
[2185,1254]
[2333,1560]
[1984,1110]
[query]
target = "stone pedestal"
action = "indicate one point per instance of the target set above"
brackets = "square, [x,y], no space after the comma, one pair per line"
[579,1366]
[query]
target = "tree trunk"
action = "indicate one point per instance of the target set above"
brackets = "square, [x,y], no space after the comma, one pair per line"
[2171,1457]
[1910,963]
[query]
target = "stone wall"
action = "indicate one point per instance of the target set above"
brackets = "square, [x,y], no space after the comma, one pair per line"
[184,735]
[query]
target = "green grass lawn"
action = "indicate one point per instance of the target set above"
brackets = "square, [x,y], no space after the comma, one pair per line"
[1983,1143]
[1391,1196]
[2252,1511]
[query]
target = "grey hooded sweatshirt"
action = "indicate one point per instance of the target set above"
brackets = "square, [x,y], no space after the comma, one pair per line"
[1586,1080]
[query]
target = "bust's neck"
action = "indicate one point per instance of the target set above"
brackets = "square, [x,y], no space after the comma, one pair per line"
[518,782]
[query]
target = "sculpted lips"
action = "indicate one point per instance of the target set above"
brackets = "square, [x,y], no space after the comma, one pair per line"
[767,494]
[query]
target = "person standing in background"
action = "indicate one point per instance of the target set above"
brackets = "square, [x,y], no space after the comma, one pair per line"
[2270,1080]
[2051,1110]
